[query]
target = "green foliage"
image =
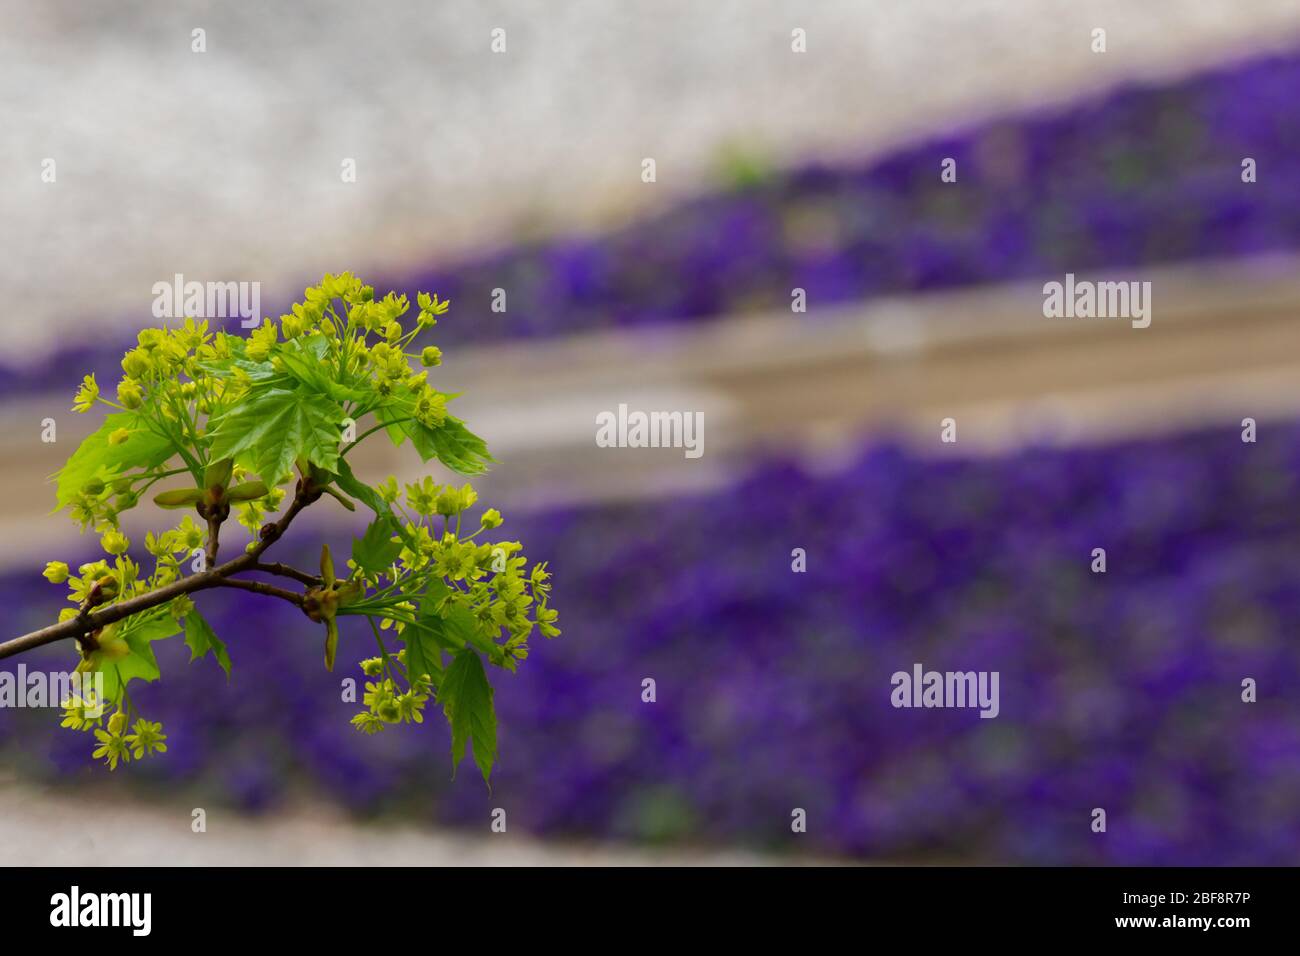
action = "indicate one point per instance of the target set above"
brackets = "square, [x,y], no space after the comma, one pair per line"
[140,661]
[202,640]
[256,426]
[274,427]
[98,459]
[466,699]
[379,547]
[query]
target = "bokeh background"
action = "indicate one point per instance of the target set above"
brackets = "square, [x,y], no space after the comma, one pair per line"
[775,170]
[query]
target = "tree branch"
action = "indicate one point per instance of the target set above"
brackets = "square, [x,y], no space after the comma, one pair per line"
[285,571]
[214,537]
[260,587]
[91,621]
[85,623]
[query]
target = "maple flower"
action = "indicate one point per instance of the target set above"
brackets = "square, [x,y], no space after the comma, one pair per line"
[86,395]
[112,748]
[147,739]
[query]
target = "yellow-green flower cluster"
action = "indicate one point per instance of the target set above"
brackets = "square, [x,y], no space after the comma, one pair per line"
[252,514]
[98,583]
[114,745]
[491,580]
[153,369]
[426,498]
[386,704]
[98,504]
[82,713]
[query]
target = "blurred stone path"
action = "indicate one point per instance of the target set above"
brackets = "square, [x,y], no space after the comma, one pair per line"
[54,828]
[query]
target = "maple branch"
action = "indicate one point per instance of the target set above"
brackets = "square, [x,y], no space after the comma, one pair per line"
[214,536]
[261,587]
[88,622]
[285,571]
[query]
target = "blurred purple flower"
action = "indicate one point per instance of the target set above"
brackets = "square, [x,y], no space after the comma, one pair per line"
[1119,690]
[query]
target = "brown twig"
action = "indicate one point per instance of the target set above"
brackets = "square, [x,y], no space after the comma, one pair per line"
[285,571]
[215,576]
[214,537]
[260,587]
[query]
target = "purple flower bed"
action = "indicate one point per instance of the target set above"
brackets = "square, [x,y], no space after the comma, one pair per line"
[1118,690]
[1145,175]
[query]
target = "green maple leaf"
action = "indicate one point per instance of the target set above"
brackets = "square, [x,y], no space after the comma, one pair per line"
[349,483]
[451,442]
[367,495]
[304,360]
[274,427]
[141,662]
[97,458]
[424,649]
[455,446]
[452,623]
[466,698]
[201,639]
[376,550]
